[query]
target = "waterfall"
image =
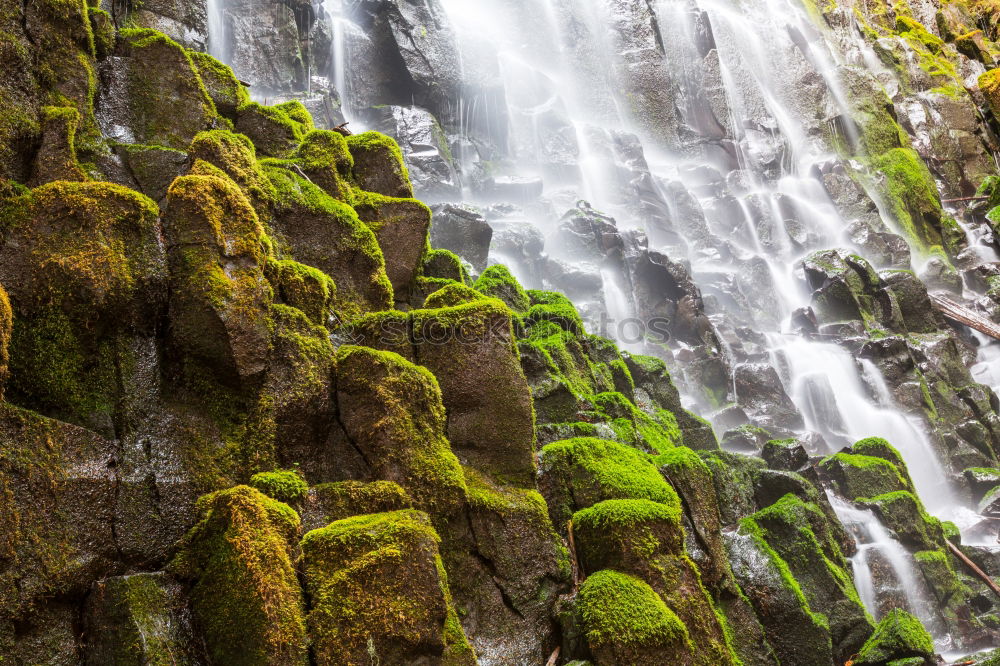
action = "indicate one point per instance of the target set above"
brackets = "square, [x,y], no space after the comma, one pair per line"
[218,45]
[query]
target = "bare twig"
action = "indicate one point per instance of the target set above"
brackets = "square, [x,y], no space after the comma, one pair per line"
[342,129]
[553,658]
[972,565]
[964,199]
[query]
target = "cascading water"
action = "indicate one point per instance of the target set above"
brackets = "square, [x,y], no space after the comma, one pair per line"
[730,115]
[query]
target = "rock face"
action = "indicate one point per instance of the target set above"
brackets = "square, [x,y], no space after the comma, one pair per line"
[260,405]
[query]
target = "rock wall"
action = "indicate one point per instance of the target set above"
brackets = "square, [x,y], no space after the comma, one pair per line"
[252,413]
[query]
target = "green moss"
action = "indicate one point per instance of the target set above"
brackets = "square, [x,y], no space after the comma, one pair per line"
[556,308]
[989,84]
[863,476]
[656,433]
[904,514]
[226,91]
[497,282]
[375,146]
[583,471]
[103,27]
[445,264]
[911,194]
[452,295]
[897,636]
[648,527]
[621,610]
[246,597]
[303,287]
[271,129]
[235,155]
[379,591]
[284,485]
[295,110]
[336,501]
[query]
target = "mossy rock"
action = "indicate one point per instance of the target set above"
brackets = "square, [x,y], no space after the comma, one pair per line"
[800,534]
[497,282]
[626,533]
[139,619]
[904,514]
[626,622]
[220,301]
[989,84]
[245,595]
[653,433]
[273,132]
[378,591]
[303,287]
[163,100]
[470,349]
[154,168]
[392,414]
[322,232]
[577,473]
[898,635]
[85,273]
[284,485]
[688,474]
[226,91]
[445,264]
[56,156]
[863,476]
[236,156]
[401,227]
[452,295]
[323,157]
[56,519]
[654,389]
[733,477]
[328,502]
[378,165]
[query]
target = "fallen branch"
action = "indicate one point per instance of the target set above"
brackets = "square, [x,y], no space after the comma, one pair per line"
[342,129]
[972,565]
[963,315]
[553,658]
[964,199]
[572,556]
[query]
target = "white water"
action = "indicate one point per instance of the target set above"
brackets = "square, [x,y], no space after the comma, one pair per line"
[217,34]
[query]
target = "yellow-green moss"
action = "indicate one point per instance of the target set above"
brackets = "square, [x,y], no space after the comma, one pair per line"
[284,485]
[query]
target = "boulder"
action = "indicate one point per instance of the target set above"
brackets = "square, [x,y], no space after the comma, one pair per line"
[425,151]
[379,166]
[759,391]
[377,587]
[245,596]
[463,230]
[401,227]
[899,636]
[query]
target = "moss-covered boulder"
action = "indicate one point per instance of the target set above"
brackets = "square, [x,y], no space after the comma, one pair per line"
[56,519]
[139,619]
[394,427]
[799,533]
[236,156]
[220,300]
[304,288]
[444,264]
[328,502]
[270,128]
[226,91]
[654,389]
[284,485]
[989,84]
[470,349]
[645,539]
[451,295]
[153,94]
[577,473]
[497,282]
[324,158]
[401,227]
[378,591]
[245,596]
[378,165]
[152,168]
[904,514]
[898,636]
[84,268]
[626,622]
[857,475]
[317,230]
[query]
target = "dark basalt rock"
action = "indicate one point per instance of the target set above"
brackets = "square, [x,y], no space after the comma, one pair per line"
[463,230]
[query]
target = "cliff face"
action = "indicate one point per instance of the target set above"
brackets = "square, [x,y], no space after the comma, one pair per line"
[254,408]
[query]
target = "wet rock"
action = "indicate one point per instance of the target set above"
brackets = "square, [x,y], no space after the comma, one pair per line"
[261,41]
[151,94]
[227,92]
[760,392]
[139,619]
[745,438]
[463,230]
[401,227]
[153,168]
[245,595]
[425,150]
[379,166]
[329,502]
[273,132]
[56,157]
[785,454]
[380,563]
[185,22]
[899,636]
